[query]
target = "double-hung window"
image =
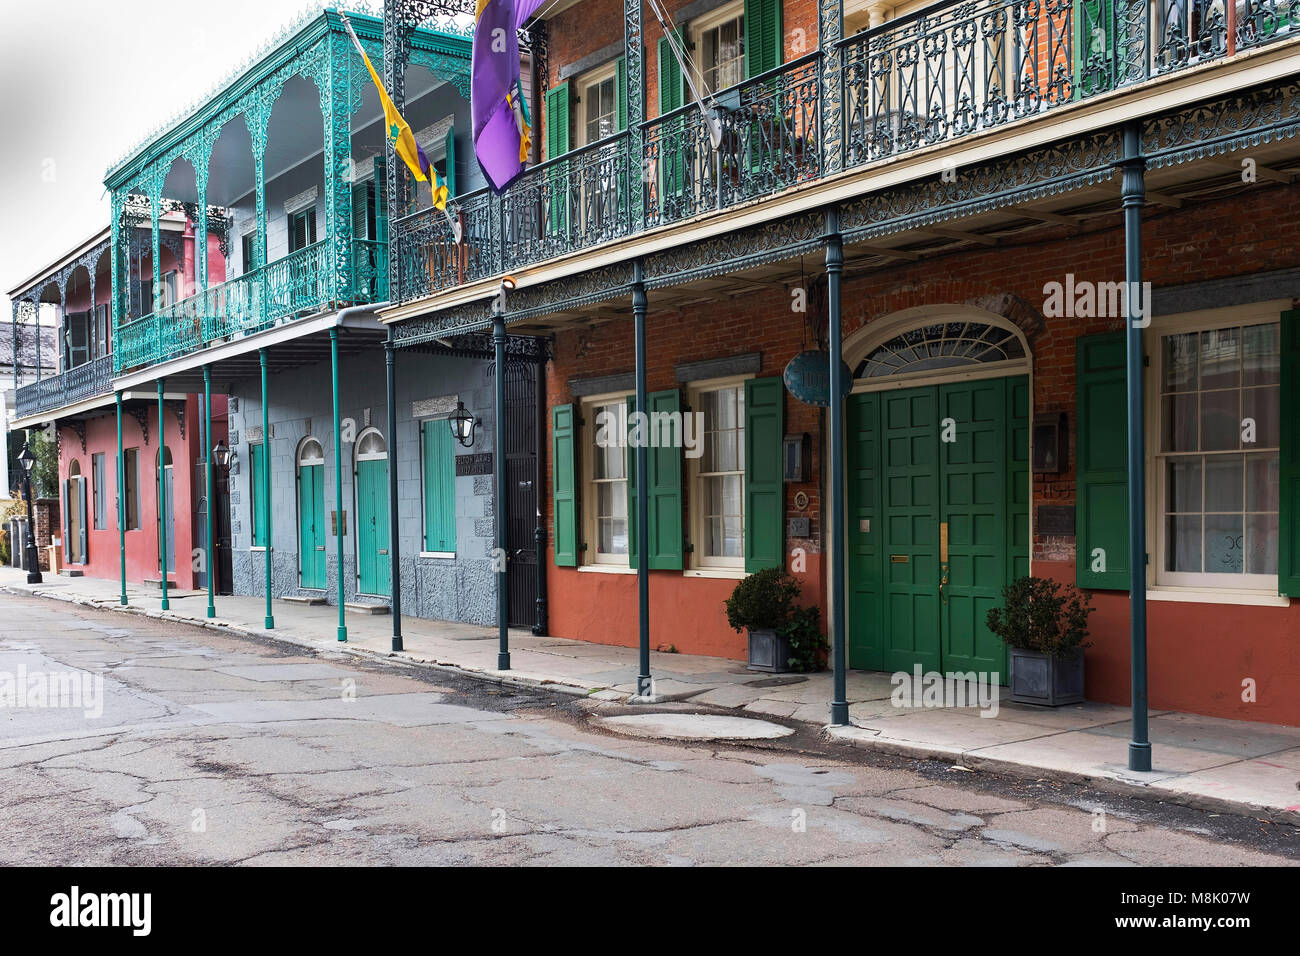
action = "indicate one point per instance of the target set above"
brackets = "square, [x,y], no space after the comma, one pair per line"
[1217,456]
[599,105]
[605,429]
[718,499]
[720,45]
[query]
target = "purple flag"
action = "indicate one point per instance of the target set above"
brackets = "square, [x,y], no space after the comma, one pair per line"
[502,137]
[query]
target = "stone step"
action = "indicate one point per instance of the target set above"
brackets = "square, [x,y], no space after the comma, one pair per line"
[157,583]
[368,608]
[311,600]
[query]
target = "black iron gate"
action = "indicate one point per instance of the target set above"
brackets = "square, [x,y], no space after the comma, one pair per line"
[521,487]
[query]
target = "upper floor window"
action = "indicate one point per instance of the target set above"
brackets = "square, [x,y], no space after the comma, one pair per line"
[247,251]
[720,45]
[599,105]
[302,229]
[1217,460]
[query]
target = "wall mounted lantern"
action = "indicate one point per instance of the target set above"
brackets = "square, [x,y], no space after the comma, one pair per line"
[462,425]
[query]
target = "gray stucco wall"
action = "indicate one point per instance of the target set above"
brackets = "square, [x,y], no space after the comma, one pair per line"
[462,588]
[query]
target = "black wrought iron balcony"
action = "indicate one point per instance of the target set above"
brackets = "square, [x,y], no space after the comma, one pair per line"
[953,69]
[90,380]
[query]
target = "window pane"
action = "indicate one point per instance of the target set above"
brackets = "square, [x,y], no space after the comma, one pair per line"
[1261,544]
[1179,422]
[1221,358]
[1180,362]
[1262,405]
[1220,420]
[1261,482]
[1261,353]
[1184,543]
[1223,540]
[1184,485]
[1223,482]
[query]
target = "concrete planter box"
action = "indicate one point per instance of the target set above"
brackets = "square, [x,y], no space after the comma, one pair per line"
[1037,678]
[768,652]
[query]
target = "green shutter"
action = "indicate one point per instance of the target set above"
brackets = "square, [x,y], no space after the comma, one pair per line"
[665,496]
[557,120]
[361,199]
[256,468]
[671,84]
[381,198]
[763,41]
[1094,45]
[439,487]
[764,485]
[565,485]
[629,469]
[621,73]
[1101,492]
[451,161]
[1288,537]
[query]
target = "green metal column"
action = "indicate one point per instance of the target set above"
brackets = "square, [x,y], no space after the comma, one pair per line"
[207,474]
[266,484]
[1133,198]
[834,273]
[502,511]
[394,552]
[340,520]
[162,497]
[121,493]
[644,682]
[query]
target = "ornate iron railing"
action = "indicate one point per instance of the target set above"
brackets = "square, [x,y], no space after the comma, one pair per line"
[298,284]
[88,380]
[949,70]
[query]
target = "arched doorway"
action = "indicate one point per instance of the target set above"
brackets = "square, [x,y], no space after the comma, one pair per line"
[74,515]
[371,474]
[167,514]
[311,514]
[938,487]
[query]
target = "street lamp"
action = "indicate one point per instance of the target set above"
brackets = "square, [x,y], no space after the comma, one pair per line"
[28,461]
[221,454]
[462,425]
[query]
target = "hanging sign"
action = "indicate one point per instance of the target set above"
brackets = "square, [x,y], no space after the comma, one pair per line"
[808,378]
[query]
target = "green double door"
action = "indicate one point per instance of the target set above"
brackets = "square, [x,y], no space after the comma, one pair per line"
[372,527]
[311,525]
[938,494]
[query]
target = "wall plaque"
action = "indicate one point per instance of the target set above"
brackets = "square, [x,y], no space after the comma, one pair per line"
[476,464]
[1055,519]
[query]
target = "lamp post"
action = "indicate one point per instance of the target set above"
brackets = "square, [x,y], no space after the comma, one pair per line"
[462,425]
[28,461]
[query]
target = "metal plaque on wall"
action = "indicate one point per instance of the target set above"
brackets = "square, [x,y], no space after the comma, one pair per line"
[477,464]
[1055,519]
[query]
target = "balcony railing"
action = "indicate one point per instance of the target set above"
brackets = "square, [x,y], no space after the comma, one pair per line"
[950,70]
[301,283]
[88,380]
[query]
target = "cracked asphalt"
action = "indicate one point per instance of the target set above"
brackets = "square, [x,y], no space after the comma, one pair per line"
[217,750]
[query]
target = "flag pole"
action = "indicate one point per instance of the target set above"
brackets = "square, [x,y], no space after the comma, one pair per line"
[710,120]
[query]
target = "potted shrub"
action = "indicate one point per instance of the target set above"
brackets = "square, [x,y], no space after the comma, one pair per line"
[782,635]
[1045,625]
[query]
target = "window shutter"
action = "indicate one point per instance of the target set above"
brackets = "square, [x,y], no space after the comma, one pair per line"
[381,198]
[451,161]
[665,495]
[1101,493]
[670,76]
[564,499]
[557,120]
[764,487]
[256,488]
[763,41]
[361,199]
[1093,47]
[1288,535]
[621,73]
[439,487]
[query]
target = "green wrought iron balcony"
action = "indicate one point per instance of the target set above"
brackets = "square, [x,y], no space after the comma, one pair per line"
[951,70]
[300,284]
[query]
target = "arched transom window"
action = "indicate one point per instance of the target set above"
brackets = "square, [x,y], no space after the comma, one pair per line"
[941,345]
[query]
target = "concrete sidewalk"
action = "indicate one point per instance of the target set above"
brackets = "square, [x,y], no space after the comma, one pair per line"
[1226,765]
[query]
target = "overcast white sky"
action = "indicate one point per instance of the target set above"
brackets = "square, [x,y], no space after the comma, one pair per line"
[82,81]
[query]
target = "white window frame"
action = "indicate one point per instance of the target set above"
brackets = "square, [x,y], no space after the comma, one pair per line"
[711,21]
[583,84]
[590,555]
[1172,585]
[424,484]
[697,494]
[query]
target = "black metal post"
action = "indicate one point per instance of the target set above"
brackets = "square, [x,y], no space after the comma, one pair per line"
[834,272]
[33,556]
[540,624]
[1132,199]
[395,557]
[644,682]
[501,557]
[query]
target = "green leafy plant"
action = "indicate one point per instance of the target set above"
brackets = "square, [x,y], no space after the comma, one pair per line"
[1042,615]
[763,601]
[45,472]
[808,645]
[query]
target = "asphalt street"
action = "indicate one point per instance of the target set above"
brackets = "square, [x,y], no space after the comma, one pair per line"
[126,740]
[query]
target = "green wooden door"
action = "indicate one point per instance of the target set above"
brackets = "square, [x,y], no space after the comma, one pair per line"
[311,525]
[372,526]
[920,461]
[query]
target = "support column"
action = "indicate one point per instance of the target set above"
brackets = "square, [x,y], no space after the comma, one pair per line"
[266,484]
[830,28]
[394,552]
[207,475]
[121,494]
[540,623]
[501,558]
[340,519]
[644,682]
[834,273]
[1132,199]
[162,495]
[634,60]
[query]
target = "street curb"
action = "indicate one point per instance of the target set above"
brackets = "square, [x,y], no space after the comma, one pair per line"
[852,736]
